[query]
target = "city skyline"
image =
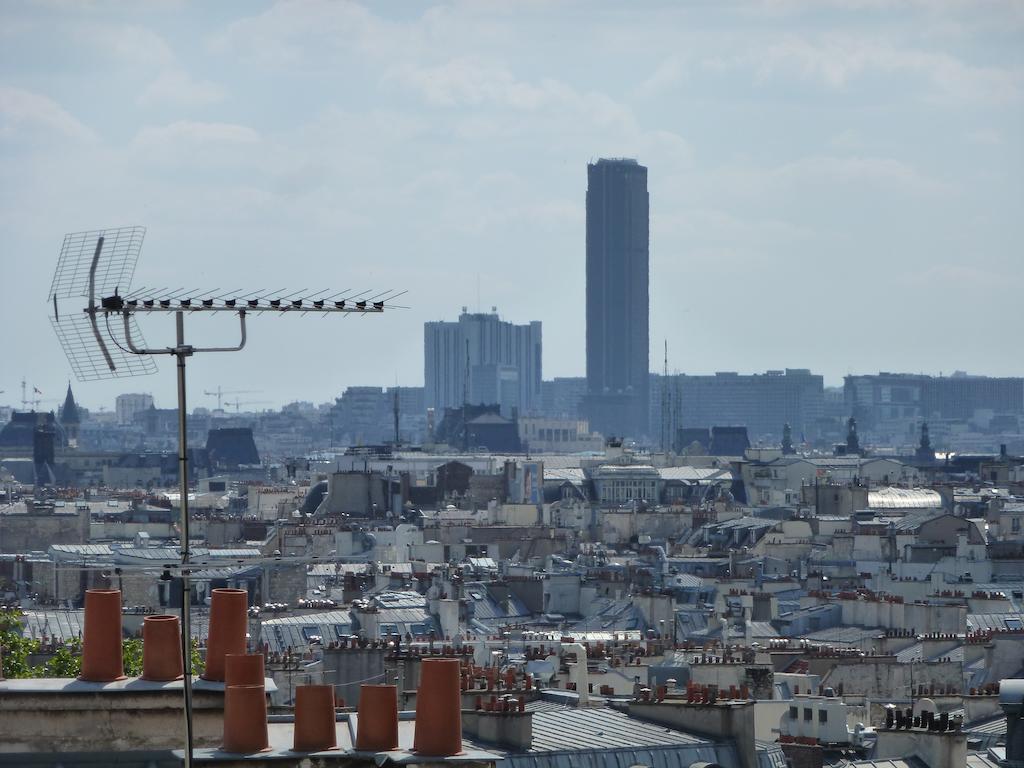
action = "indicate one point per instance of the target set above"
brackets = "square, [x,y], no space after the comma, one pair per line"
[875,201]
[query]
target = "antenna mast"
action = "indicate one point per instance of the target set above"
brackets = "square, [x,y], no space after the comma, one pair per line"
[94,266]
[395,409]
[665,415]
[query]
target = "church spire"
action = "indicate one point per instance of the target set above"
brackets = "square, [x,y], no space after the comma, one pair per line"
[69,411]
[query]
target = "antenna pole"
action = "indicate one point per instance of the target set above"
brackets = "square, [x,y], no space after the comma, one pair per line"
[181,351]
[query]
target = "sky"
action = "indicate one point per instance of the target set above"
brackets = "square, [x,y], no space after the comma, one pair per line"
[835,184]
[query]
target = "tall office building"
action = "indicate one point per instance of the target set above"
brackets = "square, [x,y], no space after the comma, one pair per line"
[762,402]
[618,272]
[891,405]
[502,362]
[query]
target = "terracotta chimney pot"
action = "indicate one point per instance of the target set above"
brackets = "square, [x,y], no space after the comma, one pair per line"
[377,729]
[244,669]
[229,612]
[438,709]
[245,719]
[315,728]
[161,649]
[102,660]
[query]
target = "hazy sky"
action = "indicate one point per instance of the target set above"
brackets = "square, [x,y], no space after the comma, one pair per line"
[834,185]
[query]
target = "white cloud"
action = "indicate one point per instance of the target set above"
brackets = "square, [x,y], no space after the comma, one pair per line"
[134,44]
[987,137]
[881,172]
[473,82]
[839,60]
[191,132]
[298,32]
[24,113]
[669,73]
[175,87]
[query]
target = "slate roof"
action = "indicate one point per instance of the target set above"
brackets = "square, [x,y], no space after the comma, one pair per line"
[976,621]
[295,631]
[565,737]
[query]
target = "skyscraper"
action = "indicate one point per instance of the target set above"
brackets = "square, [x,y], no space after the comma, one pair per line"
[502,360]
[618,272]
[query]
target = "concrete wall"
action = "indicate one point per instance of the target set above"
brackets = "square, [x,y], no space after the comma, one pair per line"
[347,668]
[356,492]
[656,609]
[619,526]
[889,678]
[922,618]
[517,514]
[946,749]
[284,583]
[561,593]
[68,716]
[732,720]
[767,715]
[20,534]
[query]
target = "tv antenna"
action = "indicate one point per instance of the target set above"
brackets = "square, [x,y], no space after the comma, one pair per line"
[102,340]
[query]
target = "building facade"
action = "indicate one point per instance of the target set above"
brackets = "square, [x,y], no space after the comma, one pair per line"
[127,405]
[562,397]
[483,360]
[618,303]
[896,403]
[762,402]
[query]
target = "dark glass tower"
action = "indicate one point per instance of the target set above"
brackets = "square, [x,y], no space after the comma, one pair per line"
[618,273]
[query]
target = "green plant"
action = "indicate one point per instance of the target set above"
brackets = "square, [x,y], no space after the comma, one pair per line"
[65,662]
[131,652]
[15,648]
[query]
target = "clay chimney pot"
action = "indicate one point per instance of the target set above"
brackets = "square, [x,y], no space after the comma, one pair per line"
[315,728]
[102,659]
[161,649]
[377,727]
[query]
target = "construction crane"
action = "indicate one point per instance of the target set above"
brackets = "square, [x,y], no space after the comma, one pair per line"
[219,394]
[239,403]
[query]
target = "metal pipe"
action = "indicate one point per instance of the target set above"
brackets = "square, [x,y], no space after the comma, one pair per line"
[181,352]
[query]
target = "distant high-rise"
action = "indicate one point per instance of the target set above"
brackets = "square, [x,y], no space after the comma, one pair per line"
[501,360]
[618,273]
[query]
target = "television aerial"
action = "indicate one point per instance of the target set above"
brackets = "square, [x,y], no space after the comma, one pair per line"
[95,316]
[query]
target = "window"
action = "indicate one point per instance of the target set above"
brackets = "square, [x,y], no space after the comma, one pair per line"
[808,714]
[793,713]
[1015,525]
[822,716]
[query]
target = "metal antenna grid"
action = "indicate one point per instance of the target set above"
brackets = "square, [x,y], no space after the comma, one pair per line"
[102,340]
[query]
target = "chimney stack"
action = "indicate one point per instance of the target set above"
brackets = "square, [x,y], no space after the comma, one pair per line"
[161,649]
[1011,700]
[102,659]
[439,709]
[229,617]
[377,729]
